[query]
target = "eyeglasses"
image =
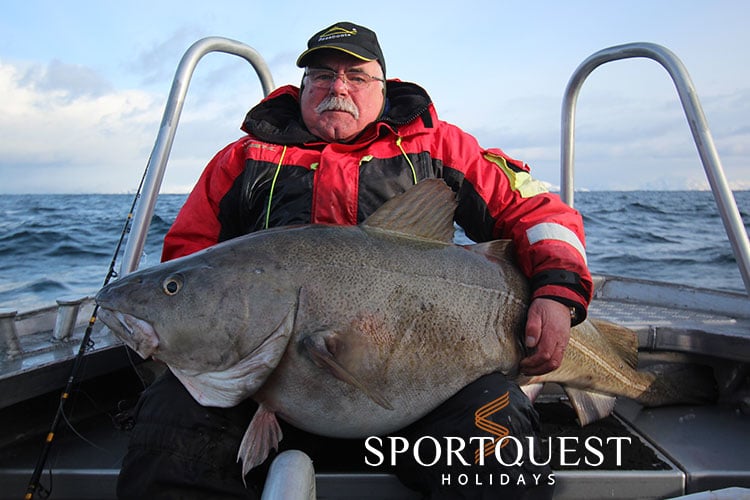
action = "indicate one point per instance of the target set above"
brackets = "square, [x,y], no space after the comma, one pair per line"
[324,78]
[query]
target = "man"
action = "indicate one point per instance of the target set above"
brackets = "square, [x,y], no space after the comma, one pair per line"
[332,152]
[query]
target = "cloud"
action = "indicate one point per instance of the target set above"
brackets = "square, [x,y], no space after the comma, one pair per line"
[70,80]
[67,129]
[63,118]
[157,63]
[624,141]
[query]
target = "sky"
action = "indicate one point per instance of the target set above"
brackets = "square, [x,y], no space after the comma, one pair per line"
[83,84]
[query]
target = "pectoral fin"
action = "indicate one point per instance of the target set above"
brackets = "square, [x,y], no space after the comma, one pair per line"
[318,350]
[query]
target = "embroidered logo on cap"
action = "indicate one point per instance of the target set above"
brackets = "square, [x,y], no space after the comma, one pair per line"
[337,32]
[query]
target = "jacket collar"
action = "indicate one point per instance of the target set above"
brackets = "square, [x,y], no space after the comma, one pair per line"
[277,118]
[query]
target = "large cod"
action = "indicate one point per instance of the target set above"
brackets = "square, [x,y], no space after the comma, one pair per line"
[351,331]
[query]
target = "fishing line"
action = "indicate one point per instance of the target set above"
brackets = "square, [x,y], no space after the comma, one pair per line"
[81,436]
[129,355]
[86,344]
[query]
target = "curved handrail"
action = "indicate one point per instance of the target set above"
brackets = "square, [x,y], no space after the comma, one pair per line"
[160,154]
[725,201]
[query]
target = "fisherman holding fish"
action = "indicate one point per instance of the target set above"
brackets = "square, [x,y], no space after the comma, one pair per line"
[332,152]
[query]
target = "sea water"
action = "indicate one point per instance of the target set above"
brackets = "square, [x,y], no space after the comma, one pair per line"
[62,246]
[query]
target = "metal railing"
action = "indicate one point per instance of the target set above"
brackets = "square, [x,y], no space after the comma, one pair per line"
[725,201]
[160,154]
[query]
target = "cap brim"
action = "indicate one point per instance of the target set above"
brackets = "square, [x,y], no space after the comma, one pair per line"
[352,50]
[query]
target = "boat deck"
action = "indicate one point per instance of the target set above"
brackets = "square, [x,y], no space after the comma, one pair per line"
[700,447]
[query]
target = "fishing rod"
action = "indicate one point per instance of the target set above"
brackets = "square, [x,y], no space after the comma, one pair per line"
[34,484]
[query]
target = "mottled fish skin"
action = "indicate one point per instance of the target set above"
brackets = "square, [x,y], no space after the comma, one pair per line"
[349,331]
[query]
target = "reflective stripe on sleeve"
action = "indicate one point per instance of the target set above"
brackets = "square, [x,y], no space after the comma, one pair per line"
[552,231]
[520,180]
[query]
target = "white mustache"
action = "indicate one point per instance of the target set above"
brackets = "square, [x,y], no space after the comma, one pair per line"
[337,103]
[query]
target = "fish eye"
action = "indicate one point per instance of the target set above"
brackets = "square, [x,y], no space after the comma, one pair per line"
[172,285]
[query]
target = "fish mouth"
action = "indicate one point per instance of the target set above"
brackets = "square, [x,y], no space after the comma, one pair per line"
[136,333]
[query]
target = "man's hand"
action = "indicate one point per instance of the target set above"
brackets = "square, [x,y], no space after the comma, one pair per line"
[547,335]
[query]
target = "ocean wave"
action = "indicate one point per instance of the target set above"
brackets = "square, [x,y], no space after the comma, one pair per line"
[36,293]
[647,208]
[55,245]
[26,243]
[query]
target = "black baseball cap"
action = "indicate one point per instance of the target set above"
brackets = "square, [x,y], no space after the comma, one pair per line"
[353,39]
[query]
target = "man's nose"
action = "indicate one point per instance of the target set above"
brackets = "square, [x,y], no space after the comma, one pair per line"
[339,85]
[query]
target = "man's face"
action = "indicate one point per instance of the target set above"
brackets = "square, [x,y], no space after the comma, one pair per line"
[331,112]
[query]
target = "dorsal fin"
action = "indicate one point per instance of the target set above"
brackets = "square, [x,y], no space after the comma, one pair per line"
[424,211]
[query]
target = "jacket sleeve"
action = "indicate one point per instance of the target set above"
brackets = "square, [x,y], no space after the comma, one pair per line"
[197,224]
[503,200]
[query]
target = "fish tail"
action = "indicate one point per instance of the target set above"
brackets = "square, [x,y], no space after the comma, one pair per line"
[679,383]
[601,363]
[658,384]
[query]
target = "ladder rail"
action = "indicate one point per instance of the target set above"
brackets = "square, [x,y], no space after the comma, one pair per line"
[160,154]
[723,195]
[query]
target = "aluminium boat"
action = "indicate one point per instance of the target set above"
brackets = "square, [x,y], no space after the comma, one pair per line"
[62,443]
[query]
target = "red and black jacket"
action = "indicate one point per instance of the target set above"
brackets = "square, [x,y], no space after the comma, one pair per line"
[280,174]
